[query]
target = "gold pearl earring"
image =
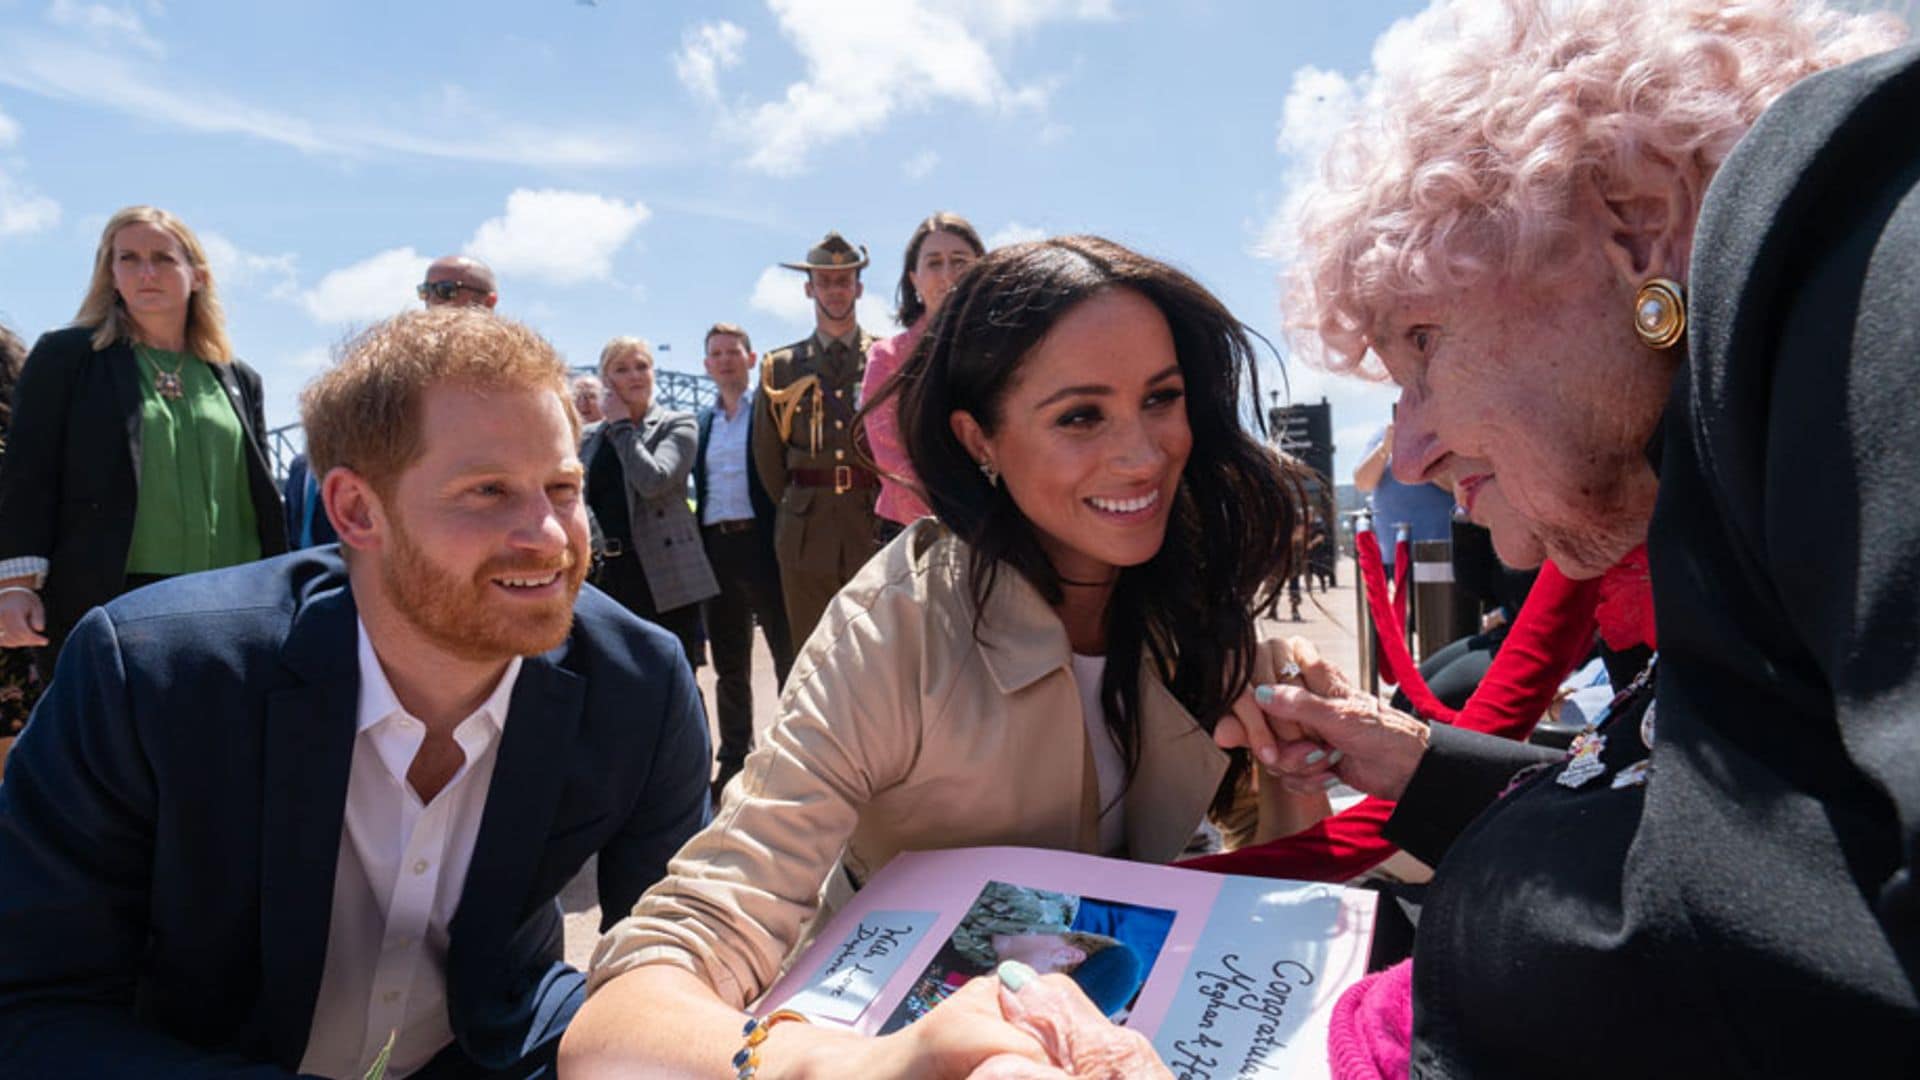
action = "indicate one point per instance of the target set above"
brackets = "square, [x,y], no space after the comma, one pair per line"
[1660,313]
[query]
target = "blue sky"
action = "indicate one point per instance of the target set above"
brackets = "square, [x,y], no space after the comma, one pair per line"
[639,167]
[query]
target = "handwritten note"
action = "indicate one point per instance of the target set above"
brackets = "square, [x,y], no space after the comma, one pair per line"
[858,968]
[1254,997]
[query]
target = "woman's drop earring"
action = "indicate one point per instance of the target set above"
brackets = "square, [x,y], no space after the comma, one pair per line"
[992,474]
[1660,313]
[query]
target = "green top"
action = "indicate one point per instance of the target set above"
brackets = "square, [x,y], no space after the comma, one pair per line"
[195,510]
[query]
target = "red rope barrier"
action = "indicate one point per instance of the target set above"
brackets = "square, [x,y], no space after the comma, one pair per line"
[1552,633]
[1390,630]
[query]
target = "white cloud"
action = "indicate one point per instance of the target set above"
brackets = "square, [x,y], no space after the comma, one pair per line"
[867,61]
[236,269]
[1319,105]
[103,78]
[921,165]
[24,210]
[1014,233]
[312,360]
[370,289]
[874,312]
[778,292]
[116,25]
[706,51]
[560,237]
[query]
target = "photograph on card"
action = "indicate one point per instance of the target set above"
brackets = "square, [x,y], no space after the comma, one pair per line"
[1107,947]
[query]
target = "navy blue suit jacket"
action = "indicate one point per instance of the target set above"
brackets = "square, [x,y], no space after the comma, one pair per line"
[171,818]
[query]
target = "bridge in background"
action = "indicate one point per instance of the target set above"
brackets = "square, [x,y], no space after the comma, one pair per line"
[673,389]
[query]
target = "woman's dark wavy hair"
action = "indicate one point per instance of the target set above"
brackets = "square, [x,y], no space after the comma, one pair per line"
[908,305]
[1188,611]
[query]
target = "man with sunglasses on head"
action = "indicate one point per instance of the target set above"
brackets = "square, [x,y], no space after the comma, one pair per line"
[458,281]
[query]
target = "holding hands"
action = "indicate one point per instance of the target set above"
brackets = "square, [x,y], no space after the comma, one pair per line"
[1079,1041]
[1311,730]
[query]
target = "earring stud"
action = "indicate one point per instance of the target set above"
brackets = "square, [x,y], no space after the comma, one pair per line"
[1660,313]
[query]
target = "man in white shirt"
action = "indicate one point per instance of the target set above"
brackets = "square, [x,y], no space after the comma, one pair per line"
[291,814]
[736,526]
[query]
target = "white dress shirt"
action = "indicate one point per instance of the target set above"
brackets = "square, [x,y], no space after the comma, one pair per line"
[401,869]
[727,465]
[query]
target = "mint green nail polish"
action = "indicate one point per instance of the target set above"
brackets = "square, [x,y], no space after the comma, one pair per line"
[1264,693]
[1015,975]
[1332,782]
[1334,758]
[1315,757]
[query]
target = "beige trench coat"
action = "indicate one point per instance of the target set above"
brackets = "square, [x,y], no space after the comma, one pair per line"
[898,732]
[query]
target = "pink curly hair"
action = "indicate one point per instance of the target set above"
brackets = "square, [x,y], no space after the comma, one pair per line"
[1468,161]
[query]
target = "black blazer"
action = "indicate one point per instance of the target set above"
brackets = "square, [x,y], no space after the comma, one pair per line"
[71,479]
[756,494]
[170,823]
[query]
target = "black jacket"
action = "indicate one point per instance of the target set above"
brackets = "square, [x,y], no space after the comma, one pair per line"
[170,822]
[71,479]
[1753,910]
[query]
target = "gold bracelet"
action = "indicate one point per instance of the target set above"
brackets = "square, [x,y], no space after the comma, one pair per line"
[747,1061]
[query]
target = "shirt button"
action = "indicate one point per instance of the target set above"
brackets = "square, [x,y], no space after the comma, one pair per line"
[420,866]
[839,425]
[838,454]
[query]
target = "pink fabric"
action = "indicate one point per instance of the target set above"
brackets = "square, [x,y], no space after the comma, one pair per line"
[897,499]
[1370,1035]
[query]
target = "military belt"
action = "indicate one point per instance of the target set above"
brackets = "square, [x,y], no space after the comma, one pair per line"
[840,478]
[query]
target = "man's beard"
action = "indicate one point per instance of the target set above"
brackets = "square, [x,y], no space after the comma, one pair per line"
[827,314]
[464,617]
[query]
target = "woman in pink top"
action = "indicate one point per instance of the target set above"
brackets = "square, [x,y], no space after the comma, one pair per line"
[942,248]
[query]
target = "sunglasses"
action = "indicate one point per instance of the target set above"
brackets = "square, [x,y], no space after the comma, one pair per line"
[445,290]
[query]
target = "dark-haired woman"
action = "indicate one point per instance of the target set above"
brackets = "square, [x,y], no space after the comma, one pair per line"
[1041,666]
[940,250]
[137,446]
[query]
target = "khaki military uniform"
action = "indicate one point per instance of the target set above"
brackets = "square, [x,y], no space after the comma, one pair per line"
[824,529]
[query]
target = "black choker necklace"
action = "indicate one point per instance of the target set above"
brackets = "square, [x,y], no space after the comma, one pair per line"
[1087,584]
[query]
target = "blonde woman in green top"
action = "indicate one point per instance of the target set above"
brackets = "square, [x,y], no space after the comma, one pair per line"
[137,450]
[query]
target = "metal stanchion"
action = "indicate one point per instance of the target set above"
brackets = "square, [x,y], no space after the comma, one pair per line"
[1440,613]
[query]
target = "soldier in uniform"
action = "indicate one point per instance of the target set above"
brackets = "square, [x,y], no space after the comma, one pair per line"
[803,440]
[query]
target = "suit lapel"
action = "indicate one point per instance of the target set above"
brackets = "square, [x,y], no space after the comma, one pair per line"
[237,397]
[543,719]
[309,753]
[123,369]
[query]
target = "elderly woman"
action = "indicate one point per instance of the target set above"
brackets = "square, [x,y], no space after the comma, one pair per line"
[138,446]
[1040,666]
[1608,322]
[638,460]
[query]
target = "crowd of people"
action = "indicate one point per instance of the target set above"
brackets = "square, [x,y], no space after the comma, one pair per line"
[309,767]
